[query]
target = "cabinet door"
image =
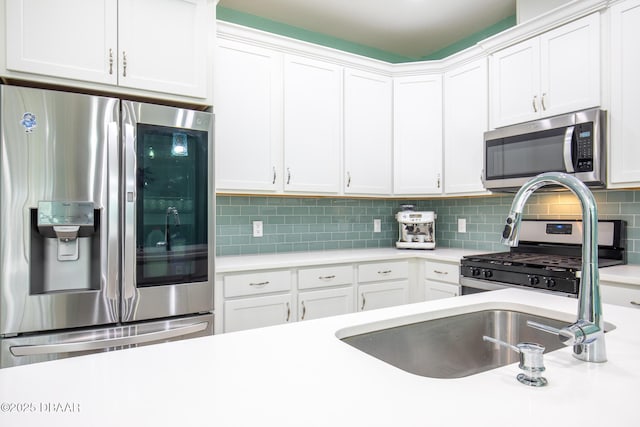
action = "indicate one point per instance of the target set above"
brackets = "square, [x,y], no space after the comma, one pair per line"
[438,290]
[624,168]
[367,133]
[417,135]
[380,295]
[312,125]
[248,313]
[248,100]
[324,303]
[626,296]
[163,45]
[515,83]
[74,39]
[465,121]
[570,67]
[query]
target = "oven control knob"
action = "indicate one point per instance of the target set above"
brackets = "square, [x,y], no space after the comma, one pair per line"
[534,280]
[487,273]
[550,283]
[475,271]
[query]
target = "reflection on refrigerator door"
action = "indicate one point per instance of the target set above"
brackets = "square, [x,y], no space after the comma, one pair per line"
[168,236]
[60,204]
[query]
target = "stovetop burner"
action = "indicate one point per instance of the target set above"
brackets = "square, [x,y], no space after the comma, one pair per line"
[531,259]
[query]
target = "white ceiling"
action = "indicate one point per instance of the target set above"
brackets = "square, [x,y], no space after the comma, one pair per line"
[410,28]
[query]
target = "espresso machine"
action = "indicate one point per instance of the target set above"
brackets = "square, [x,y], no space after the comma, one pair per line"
[416,230]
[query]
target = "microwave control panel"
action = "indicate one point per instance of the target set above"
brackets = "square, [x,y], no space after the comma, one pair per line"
[584,146]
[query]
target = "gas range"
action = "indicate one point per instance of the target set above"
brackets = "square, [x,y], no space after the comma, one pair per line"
[548,258]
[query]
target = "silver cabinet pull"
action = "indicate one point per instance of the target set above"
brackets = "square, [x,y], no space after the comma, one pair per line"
[544,107]
[385,271]
[440,272]
[304,310]
[288,176]
[259,284]
[438,183]
[534,103]
[636,303]
[364,301]
[110,61]
[274,175]
[333,276]
[288,312]
[124,64]
[348,179]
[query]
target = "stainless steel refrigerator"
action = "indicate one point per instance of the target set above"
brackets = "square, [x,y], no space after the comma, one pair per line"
[106,224]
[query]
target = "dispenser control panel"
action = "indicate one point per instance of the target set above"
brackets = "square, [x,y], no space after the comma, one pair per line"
[56,213]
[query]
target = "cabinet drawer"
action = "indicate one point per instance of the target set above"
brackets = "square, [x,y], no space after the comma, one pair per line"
[325,276]
[441,271]
[257,283]
[383,271]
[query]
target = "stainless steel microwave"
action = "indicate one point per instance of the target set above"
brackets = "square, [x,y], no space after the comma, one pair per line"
[572,143]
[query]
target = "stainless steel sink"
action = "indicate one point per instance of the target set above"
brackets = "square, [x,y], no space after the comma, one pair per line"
[452,347]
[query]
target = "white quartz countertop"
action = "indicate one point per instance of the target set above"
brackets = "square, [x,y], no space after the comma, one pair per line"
[301,374]
[227,264]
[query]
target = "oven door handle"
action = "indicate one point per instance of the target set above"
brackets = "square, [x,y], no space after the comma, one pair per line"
[566,149]
[72,347]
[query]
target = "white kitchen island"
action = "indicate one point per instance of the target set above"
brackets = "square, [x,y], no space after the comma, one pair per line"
[300,374]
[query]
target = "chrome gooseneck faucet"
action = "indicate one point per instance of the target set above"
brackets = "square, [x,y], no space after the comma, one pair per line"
[171,211]
[586,335]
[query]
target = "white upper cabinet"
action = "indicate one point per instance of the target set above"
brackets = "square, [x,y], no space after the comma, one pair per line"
[465,121]
[367,133]
[42,38]
[417,135]
[163,45]
[151,45]
[248,100]
[312,125]
[624,146]
[554,73]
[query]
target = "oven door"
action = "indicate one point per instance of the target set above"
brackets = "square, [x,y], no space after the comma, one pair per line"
[168,212]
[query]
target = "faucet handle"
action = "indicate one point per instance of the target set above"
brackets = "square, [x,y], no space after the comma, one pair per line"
[580,332]
[531,361]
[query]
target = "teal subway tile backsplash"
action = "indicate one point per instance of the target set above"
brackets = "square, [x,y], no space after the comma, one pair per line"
[311,224]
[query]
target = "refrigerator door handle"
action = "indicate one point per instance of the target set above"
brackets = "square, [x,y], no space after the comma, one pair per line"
[71,347]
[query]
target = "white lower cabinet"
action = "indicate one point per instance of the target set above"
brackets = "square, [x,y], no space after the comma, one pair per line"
[324,303]
[257,312]
[614,293]
[381,295]
[257,299]
[441,280]
[272,297]
[383,284]
[325,291]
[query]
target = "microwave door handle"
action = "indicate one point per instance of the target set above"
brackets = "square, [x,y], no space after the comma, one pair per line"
[566,151]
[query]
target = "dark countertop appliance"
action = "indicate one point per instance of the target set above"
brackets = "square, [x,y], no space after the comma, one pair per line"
[548,258]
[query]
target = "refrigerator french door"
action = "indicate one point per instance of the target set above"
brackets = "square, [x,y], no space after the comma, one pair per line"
[64,196]
[168,212]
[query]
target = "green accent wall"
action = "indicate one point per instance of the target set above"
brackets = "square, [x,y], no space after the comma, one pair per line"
[257,22]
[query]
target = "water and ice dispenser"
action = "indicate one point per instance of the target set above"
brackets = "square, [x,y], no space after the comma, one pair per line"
[65,246]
